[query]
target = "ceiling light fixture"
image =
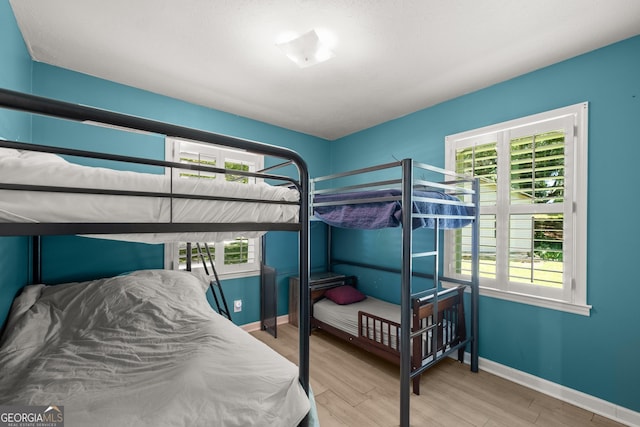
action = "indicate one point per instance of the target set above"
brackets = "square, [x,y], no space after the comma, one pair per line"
[306,50]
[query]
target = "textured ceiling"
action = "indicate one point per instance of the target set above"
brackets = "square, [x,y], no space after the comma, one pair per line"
[392,57]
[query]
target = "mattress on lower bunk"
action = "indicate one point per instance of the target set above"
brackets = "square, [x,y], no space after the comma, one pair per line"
[144,349]
[345,318]
[34,168]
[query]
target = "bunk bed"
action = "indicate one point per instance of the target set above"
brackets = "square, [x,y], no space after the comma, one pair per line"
[145,347]
[428,324]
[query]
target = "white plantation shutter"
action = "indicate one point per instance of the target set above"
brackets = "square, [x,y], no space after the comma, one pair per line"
[481,161]
[532,207]
[537,220]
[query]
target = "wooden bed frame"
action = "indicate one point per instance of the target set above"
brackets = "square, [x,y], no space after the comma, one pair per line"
[374,331]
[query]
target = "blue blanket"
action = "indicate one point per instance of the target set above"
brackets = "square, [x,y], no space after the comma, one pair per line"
[375,215]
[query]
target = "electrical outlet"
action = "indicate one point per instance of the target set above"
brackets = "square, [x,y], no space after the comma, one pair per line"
[237,305]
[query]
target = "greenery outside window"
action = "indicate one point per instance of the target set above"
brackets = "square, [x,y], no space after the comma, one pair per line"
[533,174]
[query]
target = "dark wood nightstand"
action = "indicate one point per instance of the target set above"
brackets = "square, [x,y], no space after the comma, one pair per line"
[318,281]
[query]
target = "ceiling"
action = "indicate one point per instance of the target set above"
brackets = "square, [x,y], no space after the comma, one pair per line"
[392,57]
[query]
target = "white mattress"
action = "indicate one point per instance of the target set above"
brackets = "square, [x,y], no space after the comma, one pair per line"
[144,349]
[345,318]
[25,167]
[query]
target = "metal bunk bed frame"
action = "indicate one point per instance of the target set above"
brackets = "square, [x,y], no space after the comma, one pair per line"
[79,113]
[407,183]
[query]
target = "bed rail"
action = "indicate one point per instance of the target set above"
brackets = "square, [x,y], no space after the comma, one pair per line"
[379,332]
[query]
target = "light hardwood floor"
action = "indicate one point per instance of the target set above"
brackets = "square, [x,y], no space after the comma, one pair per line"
[354,388]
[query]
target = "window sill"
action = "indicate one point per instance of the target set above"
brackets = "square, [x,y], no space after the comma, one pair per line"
[232,275]
[552,304]
[239,274]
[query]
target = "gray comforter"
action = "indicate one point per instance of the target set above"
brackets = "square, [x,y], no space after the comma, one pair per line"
[144,349]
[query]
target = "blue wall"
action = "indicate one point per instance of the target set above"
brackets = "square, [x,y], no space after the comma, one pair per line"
[15,74]
[599,354]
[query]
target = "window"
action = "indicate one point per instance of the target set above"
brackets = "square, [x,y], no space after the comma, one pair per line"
[533,175]
[233,258]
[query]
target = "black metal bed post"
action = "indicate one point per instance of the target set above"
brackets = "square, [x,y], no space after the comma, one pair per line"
[405,291]
[263,263]
[475,276]
[304,320]
[436,279]
[36,259]
[329,248]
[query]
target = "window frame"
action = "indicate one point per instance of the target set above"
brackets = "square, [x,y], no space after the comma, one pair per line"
[573,296]
[171,250]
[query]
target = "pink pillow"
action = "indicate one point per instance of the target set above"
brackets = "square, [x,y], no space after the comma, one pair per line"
[344,295]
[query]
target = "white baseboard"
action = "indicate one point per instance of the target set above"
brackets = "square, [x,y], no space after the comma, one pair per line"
[574,397]
[255,326]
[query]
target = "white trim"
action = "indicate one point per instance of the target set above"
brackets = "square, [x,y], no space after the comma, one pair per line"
[560,392]
[538,301]
[581,191]
[255,326]
[228,275]
[572,297]
[520,122]
[240,274]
